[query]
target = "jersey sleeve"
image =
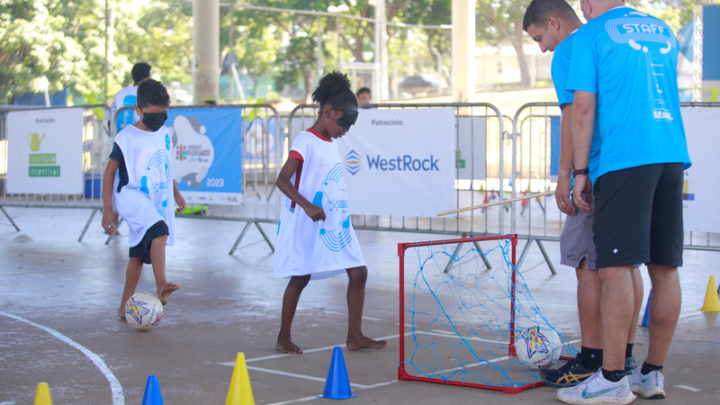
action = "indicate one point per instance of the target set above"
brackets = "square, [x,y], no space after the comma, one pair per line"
[583,74]
[559,70]
[300,147]
[117,154]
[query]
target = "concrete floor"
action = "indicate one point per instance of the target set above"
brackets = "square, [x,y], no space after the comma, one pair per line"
[229,304]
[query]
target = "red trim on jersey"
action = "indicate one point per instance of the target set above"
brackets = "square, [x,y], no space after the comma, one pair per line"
[295,155]
[298,173]
[316,133]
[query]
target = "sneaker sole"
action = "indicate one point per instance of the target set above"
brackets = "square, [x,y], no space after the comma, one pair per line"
[655,393]
[599,400]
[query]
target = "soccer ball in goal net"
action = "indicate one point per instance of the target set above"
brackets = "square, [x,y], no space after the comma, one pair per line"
[469,319]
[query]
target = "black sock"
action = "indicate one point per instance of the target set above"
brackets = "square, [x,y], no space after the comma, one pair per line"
[628,350]
[647,368]
[591,358]
[613,376]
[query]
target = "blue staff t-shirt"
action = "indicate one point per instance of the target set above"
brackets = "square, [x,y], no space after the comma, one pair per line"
[560,71]
[629,60]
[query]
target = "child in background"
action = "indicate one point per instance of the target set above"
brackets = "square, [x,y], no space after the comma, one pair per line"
[315,238]
[139,178]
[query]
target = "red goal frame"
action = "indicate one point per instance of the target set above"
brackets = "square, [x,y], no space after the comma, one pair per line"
[403,375]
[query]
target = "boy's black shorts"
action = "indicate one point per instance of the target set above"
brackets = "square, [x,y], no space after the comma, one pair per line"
[142,250]
[639,216]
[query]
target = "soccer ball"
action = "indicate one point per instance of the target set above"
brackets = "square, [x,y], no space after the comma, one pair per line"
[538,346]
[143,311]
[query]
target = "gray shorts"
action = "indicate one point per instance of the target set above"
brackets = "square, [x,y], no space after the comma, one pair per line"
[576,240]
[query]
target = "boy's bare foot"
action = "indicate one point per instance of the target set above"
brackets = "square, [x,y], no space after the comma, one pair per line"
[165,291]
[121,314]
[286,346]
[363,342]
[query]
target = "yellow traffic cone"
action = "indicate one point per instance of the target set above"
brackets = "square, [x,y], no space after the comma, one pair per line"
[240,392]
[712,303]
[42,397]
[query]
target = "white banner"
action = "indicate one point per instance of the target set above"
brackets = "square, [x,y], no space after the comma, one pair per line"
[45,151]
[700,192]
[400,162]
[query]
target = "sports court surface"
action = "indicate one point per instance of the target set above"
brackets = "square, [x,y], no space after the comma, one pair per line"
[229,304]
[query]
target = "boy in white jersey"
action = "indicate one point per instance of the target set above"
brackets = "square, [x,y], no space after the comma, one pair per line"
[552,24]
[139,177]
[127,96]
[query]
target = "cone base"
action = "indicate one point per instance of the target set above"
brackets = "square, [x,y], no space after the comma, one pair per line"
[338,399]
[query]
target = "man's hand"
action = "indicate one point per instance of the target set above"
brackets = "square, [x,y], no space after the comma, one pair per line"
[562,195]
[110,222]
[583,193]
[315,213]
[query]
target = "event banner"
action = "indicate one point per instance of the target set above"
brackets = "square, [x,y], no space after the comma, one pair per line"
[207,154]
[400,162]
[700,191]
[45,151]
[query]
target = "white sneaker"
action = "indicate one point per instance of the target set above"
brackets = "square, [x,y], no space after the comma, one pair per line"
[650,386]
[598,390]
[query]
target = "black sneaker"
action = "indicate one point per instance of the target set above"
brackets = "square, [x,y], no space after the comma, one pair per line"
[570,374]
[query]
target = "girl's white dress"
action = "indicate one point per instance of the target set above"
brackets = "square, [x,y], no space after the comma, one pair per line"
[324,248]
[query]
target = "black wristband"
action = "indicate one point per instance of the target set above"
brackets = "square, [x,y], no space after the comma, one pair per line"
[577,172]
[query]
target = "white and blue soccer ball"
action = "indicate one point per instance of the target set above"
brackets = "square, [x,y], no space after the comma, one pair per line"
[144,311]
[538,347]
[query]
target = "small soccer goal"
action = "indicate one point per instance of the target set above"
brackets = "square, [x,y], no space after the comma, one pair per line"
[464,309]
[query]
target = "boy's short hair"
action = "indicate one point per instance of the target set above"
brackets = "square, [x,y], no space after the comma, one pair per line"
[152,92]
[538,12]
[140,71]
[362,90]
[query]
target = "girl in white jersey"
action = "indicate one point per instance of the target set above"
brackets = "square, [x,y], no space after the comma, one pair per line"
[315,238]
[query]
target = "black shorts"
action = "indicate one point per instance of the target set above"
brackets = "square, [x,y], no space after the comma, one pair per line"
[639,216]
[142,250]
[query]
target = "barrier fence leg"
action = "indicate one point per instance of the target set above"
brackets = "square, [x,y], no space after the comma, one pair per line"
[240,238]
[454,256]
[547,258]
[482,254]
[257,224]
[87,225]
[9,218]
[120,221]
[524,253]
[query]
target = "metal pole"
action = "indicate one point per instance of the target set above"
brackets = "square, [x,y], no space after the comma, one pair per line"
[107,47]
[232,46]
[318,39]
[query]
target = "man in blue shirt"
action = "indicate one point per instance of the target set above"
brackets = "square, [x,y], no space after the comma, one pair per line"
[552,24]
[623,73]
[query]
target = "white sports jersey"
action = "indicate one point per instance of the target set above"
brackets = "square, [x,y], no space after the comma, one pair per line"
[126,97]
[148,197]
[324,248]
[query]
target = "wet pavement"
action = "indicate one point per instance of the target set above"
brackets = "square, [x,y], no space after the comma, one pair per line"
[58,299]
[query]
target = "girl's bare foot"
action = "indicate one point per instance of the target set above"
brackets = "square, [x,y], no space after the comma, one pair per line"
[361,341]
[284,345]
[165,291]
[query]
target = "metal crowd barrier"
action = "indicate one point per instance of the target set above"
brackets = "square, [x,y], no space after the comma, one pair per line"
[261,130]
[94,134]
[478,177]
[539,220]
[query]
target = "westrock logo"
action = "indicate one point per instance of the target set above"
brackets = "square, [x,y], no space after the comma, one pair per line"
[353,162]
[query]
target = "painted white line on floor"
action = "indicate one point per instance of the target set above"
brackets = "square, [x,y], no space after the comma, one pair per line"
[294,401]
[690,315]
[7,403]
[117,390]
[682,387]
[319,349]
[302,376]
[191,293]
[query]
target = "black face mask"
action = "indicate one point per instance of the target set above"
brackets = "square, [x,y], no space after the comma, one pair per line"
[348,119]
[153,121]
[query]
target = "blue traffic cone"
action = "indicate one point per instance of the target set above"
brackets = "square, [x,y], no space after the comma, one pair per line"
[646,318]
[152,392]
[337,384]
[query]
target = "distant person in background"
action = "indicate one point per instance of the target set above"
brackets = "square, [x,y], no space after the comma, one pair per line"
[127,97]
[210,103]
[364,95]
